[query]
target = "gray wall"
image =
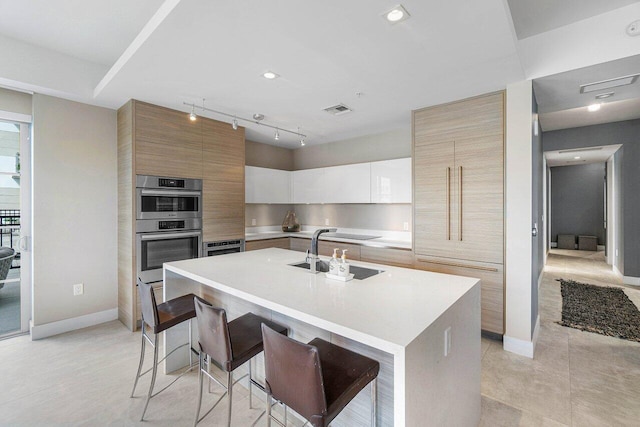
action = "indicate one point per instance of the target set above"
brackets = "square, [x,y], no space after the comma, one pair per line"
[369,148]
[268,156]
[618,201]
[15,102]
[75,209]
[384,146]
[626,133]
[537,206]
[577,201]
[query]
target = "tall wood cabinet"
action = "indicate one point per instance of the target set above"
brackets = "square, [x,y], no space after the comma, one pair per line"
[154,140]
[458,154]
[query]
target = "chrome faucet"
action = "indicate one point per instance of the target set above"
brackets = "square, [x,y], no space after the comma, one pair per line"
[312,257]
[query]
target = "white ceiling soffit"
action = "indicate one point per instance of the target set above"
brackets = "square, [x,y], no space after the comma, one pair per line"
[534,17]
[591,41]
[580,156]
[609,112]
[325,53]
[562,91]
[94,31]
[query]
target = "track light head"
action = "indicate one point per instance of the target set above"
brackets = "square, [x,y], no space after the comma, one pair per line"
[192,115]
[302,144]
[277,135]
[234,124]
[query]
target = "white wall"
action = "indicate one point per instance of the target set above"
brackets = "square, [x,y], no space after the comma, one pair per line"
[74,212]
[518,206]
[15,102]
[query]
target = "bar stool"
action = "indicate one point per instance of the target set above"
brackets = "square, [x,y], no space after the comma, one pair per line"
[229,345]
[159,318]
[317,380]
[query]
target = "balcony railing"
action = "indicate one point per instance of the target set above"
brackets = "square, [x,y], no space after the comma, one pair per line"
[10,232]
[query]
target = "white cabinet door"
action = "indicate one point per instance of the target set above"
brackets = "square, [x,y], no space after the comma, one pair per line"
[263,185]
[309,186]
[391,181]
[347,184]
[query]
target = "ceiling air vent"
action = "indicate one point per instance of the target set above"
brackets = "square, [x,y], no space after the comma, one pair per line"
[337,110]
[608,84]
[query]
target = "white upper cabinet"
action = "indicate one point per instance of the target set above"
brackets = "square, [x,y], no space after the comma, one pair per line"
[263,185]
[388,181]
[309,186]
[391,181]
[347,184]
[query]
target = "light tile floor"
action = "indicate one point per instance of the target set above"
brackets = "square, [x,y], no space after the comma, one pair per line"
[576,378]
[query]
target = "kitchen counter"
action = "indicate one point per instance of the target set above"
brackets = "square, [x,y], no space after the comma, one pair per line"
[396,240]
[398,317]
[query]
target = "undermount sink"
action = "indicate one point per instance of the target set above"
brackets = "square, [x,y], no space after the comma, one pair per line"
[359,273]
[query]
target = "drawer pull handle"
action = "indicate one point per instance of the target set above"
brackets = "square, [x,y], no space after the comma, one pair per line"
[455,264]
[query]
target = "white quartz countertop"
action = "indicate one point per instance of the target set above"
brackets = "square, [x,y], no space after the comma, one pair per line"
[387,311]
[381,242]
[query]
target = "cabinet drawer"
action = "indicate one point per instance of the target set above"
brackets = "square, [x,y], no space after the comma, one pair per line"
[326,248]
[299,244]
[388,256]
[253,245]
[492,285]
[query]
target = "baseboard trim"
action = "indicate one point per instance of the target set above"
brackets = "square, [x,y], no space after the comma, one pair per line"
[521,347]
[554,244]
[601,248]
[540,279]
[536,331]
[68,325]
[616,271]
[630,280]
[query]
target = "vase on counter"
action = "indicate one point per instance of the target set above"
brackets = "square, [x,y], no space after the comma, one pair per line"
[290,223]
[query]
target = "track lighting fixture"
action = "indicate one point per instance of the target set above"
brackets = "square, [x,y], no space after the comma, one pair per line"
[302,144]
[257,120]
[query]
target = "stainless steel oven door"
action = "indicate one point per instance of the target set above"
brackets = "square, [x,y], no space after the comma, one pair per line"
[154,249]
[168,204]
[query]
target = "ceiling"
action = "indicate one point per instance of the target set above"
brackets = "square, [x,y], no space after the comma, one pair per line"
[561,105]
[534,17]
[175,51]
[580,156]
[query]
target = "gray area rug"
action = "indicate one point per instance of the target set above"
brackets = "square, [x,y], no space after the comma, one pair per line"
[599,309]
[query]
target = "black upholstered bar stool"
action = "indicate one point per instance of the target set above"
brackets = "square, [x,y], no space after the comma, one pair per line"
[317,380]
[159,318]
[229,345]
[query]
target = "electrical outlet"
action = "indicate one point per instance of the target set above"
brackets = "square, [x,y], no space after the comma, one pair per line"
[78,289]
[253,221]
[447,341]
[326,221]
[405,226]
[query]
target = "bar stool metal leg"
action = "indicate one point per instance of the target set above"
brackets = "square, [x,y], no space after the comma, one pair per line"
[200,382]
[374,402]
[250,387]
[153,374]
[142,350]
[229,392]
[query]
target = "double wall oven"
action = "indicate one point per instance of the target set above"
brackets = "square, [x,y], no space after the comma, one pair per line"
[168,223]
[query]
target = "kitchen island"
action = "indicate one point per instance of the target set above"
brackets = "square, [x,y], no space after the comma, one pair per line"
[423,327]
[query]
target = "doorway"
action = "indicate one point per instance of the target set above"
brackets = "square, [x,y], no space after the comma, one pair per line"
[15,208]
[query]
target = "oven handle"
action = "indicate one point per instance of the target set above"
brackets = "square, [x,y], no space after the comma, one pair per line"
[169,235]
[169,193]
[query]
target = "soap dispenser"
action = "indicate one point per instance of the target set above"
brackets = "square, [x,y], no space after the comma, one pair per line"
[334,264]
[344,265]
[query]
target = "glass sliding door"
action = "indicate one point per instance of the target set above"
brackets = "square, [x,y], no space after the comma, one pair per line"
[15,298]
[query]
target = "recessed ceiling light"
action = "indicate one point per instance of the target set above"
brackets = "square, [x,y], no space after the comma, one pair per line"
[605,95]
[593,107]
[396,14]
[270,75]
[577,157]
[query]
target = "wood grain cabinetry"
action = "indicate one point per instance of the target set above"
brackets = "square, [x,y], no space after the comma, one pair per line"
[387,256]
[223,181]
[154,140]
[253,245]
[458,154]
[492,285]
